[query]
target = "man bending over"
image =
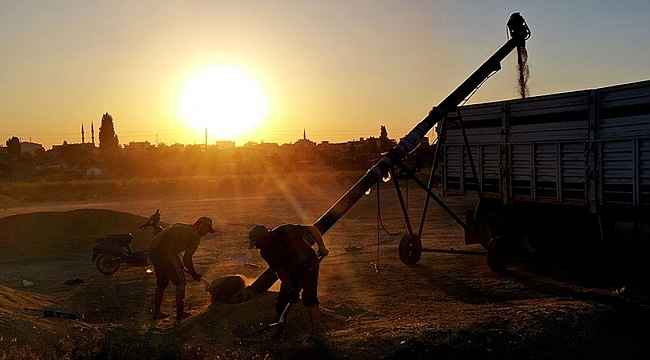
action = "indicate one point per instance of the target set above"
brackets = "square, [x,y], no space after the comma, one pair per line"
[290,256]
[164,254]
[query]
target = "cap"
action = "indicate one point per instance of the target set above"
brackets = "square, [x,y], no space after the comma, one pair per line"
[206,220]
[256,233]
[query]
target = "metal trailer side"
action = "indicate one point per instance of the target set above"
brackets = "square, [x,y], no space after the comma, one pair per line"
[567,169]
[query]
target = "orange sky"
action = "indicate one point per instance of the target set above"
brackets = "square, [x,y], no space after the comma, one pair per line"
[339,71]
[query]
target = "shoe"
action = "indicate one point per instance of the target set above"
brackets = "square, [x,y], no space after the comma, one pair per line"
[160,316]
[315,339]
[185,315]
[74,281]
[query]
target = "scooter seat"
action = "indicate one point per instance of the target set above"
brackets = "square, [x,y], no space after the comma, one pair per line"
[121,238]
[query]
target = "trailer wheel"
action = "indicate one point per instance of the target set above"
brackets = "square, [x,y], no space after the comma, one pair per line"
[410,249]
[490,222]
[497,254]
[531,232]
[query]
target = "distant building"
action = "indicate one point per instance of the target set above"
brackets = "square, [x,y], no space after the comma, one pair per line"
[84,146]
[304,142]
[138,145]
[177,147]
[263,146]
[4,156]
[136,148]
[223,145]
[31,148]
[54,164]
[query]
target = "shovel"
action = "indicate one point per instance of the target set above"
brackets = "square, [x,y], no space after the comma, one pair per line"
[243,260]
[208,284]
[295,292]
[55,314]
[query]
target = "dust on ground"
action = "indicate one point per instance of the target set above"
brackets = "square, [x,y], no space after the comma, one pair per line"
[447,306]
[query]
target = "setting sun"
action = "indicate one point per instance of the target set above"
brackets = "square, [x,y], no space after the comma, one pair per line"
[225,100]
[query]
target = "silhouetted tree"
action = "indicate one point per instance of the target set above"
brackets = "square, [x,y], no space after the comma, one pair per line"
[385,143]
[13,146]
[76,155]
[108,142]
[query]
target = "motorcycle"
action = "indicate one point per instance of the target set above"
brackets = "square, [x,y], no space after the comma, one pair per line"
[110,251]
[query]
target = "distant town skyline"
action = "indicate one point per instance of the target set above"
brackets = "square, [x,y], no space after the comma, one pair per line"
[263,71]
[229,143]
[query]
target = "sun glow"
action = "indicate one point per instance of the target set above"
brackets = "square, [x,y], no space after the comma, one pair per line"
[225,100]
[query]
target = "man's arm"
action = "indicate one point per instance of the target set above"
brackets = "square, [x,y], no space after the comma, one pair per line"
[315,234]
[187,261]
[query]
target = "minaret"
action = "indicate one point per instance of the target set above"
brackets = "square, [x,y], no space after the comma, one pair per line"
[83,139]
[92,133]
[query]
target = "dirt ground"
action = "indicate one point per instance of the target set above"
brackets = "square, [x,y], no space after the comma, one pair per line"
[447,306]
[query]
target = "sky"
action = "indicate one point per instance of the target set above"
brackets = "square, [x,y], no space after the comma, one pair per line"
[338,70]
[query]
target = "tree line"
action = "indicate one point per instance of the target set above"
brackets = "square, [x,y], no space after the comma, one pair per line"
[161,160]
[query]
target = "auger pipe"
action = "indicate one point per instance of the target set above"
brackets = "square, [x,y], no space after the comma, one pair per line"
[519,33]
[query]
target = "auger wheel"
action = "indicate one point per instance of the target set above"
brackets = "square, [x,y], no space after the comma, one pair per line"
[410,249]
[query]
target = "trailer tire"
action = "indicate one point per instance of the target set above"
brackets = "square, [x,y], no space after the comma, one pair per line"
[491,222]
[531,232]
[497,254]
[410,249]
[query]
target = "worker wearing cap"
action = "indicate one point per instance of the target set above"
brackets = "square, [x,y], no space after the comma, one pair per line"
[288,252]
[164,254]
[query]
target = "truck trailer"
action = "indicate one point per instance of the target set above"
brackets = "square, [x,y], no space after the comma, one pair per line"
[566,172]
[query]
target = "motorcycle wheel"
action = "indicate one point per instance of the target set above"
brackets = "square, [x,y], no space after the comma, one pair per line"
[108,264]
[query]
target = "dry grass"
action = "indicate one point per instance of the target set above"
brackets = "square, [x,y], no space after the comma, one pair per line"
[147,188]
